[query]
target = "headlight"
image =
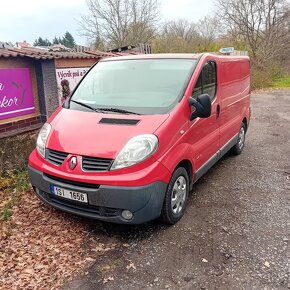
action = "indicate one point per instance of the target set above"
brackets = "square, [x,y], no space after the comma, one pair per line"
[42,138]
[136,150]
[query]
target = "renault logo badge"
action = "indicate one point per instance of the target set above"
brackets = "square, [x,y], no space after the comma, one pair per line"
[73,162]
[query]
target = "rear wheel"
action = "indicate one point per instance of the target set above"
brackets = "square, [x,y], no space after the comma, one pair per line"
[176,197]
[238,148]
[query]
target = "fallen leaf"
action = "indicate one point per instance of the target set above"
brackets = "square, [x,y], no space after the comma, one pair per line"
[29,271]
[39,266]
[131,266]
[106,280]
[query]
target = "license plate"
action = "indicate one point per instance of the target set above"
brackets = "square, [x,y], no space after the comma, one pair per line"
[69,194]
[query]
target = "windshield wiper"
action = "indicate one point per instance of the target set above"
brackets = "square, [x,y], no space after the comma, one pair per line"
[103,110]
[87,106]
[121,111]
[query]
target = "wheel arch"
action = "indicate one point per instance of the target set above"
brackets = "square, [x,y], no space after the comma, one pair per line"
[180,155]
[245,121]
[186,164]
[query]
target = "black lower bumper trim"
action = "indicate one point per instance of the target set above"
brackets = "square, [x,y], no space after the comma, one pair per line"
[104,202]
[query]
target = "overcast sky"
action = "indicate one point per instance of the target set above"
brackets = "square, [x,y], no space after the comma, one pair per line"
[29,19]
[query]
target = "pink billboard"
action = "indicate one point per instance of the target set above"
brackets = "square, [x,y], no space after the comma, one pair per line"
[16,95]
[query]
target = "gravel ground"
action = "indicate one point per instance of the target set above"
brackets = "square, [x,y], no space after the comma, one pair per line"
[235,233]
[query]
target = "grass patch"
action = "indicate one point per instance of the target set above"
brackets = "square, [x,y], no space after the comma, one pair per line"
[281,82]
[12,184]
[7,213]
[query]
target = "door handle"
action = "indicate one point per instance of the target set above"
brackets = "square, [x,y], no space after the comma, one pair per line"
[218,110]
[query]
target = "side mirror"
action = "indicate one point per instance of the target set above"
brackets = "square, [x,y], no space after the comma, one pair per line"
[201,106]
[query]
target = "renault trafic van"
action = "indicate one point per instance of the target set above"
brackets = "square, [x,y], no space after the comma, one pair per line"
[138,132]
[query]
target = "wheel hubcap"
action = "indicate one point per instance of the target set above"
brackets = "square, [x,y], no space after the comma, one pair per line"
[178,195]
[241,139]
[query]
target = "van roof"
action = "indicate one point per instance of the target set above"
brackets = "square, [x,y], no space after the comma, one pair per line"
[176,56]
[155,56]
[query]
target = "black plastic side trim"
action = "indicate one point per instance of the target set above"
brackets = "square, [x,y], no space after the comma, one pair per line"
[204,168]
[228,146]
[217,156]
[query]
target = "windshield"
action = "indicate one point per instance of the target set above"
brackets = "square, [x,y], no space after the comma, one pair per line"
[146,86]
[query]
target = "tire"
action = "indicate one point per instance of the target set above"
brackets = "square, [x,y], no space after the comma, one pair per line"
[176,195]
[238,148]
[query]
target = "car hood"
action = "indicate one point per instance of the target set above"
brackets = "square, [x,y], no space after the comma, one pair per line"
[98,135]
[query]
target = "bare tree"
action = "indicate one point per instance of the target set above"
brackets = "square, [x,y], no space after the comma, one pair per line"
[180,28]
[209,29]
[176,36]
[118,23]
[262,24]
[184,36]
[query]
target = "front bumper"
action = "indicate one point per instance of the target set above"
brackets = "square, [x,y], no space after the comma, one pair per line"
[104,202]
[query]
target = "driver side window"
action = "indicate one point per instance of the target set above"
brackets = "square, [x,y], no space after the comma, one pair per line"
[207,81]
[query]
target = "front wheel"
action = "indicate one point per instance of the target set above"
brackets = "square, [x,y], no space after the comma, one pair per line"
[238,148]
[176,197]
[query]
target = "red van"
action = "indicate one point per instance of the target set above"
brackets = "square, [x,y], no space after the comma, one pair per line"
[138,132]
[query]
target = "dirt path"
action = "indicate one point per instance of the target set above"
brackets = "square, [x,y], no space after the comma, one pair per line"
[236,230]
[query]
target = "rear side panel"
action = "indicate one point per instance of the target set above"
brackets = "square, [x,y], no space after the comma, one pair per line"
[235,96]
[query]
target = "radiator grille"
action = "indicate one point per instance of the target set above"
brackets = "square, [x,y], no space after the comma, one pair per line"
[55,157]
[91,209]
[88,163]
[96,164]
[72,182]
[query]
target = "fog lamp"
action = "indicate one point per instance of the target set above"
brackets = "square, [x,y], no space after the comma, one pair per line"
[127,215]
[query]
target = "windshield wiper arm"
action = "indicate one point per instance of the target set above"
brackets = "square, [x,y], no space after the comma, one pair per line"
[121,111]
[102,110]
[87,106]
